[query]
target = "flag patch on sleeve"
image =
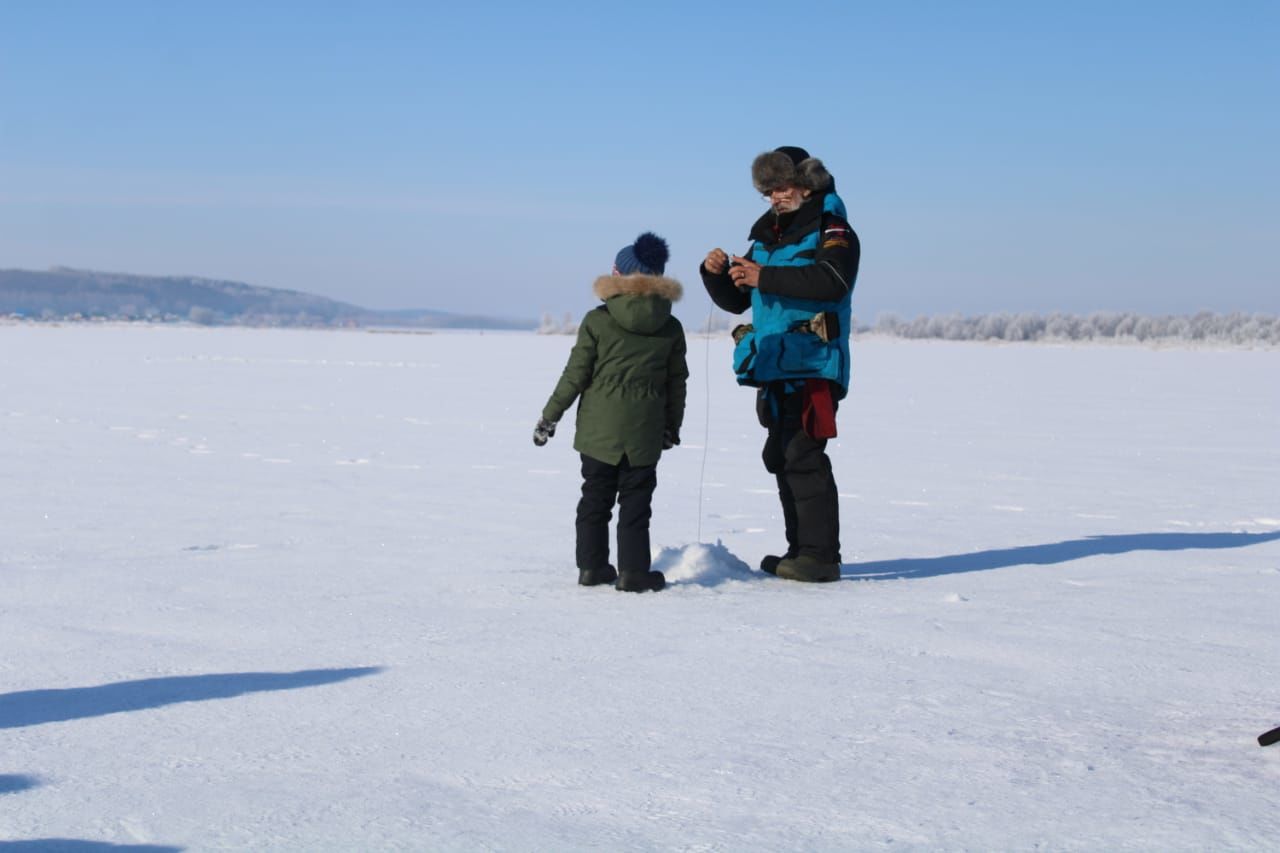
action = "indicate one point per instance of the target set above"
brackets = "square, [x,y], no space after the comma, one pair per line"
[836,235]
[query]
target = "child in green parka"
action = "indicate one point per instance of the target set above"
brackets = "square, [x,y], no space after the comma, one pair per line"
[627,371]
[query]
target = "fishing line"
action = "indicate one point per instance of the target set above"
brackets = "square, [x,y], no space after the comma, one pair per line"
[706,414]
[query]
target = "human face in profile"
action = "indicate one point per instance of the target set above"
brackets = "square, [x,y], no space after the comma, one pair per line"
[787,199]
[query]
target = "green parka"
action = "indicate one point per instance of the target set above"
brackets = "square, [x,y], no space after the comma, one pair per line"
[628,366]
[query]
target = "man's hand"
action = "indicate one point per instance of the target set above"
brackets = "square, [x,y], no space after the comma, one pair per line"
[544,430]
[716,261]
[670,438]
[744,273]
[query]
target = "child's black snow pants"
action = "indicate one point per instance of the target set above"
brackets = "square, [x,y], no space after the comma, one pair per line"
[631,487]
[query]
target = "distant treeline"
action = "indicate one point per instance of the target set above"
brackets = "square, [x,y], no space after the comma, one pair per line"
[551,326]
[1236,329]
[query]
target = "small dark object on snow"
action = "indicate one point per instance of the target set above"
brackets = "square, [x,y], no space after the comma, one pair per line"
[769,565]
[1269,738]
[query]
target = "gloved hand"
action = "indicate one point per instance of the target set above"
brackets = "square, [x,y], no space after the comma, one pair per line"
[670,438]
[544,430]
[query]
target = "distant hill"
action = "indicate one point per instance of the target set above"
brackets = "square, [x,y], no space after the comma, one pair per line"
[62,293]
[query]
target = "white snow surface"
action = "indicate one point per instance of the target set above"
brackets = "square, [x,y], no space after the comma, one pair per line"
[314,590]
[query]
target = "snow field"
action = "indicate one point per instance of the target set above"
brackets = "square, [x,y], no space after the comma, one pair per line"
[288,590]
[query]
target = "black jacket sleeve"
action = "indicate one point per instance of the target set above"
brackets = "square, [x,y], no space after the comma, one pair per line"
[723,292]
[832,274]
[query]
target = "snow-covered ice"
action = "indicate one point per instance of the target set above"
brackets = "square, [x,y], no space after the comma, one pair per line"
[304,590]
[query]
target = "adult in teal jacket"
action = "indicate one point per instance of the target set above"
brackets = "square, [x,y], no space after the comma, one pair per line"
[797,278]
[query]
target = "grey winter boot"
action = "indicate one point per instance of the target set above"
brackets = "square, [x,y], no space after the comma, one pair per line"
[595,577]
[807,569]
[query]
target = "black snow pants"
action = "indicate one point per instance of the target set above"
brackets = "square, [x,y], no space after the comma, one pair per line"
[631,487]
[806,485]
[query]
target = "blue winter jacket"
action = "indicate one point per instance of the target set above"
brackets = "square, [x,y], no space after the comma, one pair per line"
[780,345]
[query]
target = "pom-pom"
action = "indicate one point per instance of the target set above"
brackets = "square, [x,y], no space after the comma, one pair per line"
[651,250]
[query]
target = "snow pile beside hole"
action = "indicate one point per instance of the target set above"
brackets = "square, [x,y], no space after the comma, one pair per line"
[701,565]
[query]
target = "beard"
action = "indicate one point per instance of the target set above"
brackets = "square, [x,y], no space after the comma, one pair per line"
[788,204]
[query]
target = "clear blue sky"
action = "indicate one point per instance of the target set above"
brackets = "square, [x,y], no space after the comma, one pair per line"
[492,157]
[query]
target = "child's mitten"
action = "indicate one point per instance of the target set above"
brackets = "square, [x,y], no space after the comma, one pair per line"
[544,430]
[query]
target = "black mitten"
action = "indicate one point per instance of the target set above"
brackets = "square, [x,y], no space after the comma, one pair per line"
[670,438]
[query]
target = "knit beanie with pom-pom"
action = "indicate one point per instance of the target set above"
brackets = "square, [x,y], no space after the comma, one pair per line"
[647,255]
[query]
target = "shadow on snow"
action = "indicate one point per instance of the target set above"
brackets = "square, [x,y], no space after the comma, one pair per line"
[1043,555]
[13,783]
[34,707]
[67,845]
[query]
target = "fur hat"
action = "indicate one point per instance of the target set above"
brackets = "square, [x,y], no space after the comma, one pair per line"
[647,255]
[789,166]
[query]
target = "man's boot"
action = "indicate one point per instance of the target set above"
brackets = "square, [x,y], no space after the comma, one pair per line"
[807,569]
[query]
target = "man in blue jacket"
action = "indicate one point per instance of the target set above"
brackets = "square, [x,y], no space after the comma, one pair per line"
[797,278]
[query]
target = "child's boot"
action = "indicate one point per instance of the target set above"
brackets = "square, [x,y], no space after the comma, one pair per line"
[640,581]
[595,577]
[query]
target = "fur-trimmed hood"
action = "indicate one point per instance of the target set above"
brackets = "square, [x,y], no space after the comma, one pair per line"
[638,284]
[639,303]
